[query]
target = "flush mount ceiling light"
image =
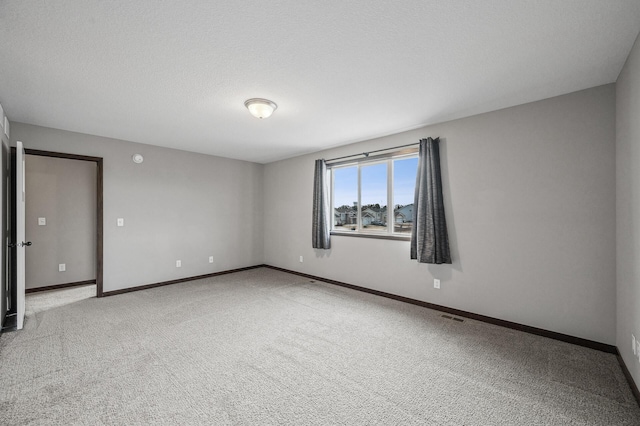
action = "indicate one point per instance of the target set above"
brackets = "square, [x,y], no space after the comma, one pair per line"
[137,158]
[260,108]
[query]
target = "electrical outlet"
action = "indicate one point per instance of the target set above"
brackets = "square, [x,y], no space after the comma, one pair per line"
[62,267]
[210,259]
[42,221]
[178,263]
[301,259]
[633,345]
[436,283]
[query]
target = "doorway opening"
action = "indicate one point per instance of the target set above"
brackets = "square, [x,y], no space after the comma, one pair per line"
[98,282]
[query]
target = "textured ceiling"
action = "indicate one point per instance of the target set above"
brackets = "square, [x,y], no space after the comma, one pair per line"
[176,73]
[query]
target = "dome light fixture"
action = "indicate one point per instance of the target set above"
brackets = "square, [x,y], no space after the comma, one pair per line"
[260,108]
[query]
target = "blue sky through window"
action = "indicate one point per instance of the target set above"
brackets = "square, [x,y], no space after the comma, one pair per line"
[345,186]
[404,180]
[374,182]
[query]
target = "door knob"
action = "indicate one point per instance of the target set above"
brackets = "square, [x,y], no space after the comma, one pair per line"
[23,244]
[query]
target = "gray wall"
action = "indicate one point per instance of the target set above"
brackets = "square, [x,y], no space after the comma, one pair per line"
[628,208]
[62,191]
[530,199]
[176,205]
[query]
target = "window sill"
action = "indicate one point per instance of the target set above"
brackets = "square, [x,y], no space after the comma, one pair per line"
[377,236]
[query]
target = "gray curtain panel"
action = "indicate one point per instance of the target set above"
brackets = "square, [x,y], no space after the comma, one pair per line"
[321,237]
[429,238]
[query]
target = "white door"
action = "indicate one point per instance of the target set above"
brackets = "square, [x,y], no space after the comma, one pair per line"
[20,234]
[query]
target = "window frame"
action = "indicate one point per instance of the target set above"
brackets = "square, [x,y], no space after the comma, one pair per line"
[388,159]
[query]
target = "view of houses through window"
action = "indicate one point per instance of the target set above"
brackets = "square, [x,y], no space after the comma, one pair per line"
[361,193]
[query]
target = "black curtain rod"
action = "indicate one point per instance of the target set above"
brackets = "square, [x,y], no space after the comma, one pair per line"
[366,154]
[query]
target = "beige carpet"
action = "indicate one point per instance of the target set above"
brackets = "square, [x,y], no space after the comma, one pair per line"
[46,300]
[263,347]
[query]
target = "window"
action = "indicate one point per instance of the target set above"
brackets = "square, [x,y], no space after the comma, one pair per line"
[363,190]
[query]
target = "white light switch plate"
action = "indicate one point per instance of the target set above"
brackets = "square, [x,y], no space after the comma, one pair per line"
[210,259]
[62,267]
[121,221]
[178,263]
[42,221]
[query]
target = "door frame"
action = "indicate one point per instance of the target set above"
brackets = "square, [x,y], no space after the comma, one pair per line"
[99,206]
